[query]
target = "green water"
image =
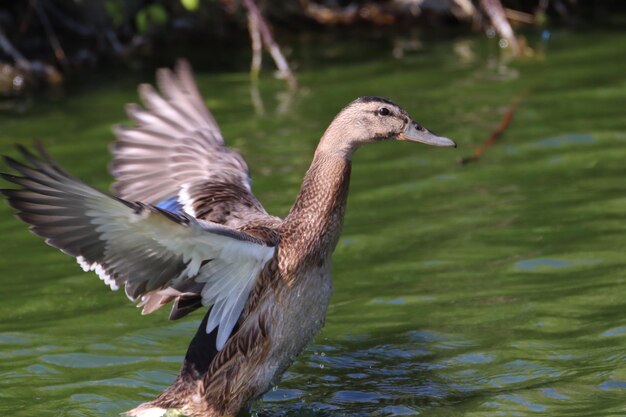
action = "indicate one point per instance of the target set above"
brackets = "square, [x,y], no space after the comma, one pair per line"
[492,289]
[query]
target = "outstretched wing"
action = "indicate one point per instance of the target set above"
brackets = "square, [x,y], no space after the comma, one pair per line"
[139,246]
[175,157]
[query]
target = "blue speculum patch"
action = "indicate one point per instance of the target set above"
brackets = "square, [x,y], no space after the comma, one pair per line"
[170,204]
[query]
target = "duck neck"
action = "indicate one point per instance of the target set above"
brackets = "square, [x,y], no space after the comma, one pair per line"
[313,225]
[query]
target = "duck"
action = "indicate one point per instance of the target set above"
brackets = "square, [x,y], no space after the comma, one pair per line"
[182,227]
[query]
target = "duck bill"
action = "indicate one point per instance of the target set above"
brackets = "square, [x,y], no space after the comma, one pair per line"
[416,133]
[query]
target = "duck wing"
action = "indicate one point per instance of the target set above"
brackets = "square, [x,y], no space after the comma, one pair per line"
[175,157]
[139,246]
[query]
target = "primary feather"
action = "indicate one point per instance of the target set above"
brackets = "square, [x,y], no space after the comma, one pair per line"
[175,148]
[139,246]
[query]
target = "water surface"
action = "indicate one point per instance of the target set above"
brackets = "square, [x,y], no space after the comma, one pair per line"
[496,288]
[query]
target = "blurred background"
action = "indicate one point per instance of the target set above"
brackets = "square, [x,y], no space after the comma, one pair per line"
[45,45]
[487,280]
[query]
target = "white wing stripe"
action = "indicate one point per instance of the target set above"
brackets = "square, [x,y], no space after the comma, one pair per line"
[186,200]
[139,246]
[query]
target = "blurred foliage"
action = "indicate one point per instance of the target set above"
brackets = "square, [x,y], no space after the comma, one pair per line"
[42,42]
[191,5]
[151,17]
[115,10]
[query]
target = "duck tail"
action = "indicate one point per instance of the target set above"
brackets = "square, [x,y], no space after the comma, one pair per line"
[146,410]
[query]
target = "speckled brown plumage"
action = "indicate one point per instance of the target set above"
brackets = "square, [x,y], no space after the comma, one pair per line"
[312,228]
[199,236]
[302,245]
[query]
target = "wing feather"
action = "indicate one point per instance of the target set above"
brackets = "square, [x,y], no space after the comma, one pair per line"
[176,150]
[139,246]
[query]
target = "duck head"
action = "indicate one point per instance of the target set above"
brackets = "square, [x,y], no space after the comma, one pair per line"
[374,119]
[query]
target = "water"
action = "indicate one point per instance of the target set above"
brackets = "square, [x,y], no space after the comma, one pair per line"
[495,288]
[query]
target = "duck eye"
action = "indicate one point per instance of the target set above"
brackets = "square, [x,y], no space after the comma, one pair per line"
[384,111]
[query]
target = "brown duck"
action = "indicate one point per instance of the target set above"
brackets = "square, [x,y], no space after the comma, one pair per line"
[183,226]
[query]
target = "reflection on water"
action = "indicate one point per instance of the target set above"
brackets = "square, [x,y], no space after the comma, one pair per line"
[491,289]
[564,140]
[538,264]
